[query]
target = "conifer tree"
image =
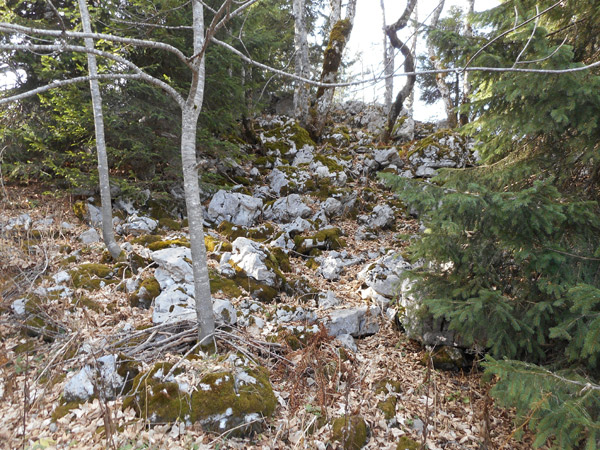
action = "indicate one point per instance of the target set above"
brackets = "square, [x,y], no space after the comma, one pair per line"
[512,247]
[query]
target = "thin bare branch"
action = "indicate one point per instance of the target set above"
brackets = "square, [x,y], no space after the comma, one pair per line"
[13,28]
[535,26]
[119,59]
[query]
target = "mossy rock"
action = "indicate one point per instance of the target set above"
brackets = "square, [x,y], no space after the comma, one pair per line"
[225,285]
[406,443]
[388,407]
[446,358]
[285,136]
[352,432]
[92,276]
[213,244]
[88,303]
[301,287]
[330,163]
[232,232]
[80,210]
[170,224]
[296,339]
[149,289]
[385,386]
[327,239]
[280,258]
[220,401]
[256,289]
[147,239]
[63,409]
[128,369]
[179,242]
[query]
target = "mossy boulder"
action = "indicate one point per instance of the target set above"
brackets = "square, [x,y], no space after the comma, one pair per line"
[149,289]
[167,243]
[326,239]
[232,231]
[92,276]
[446,358]
[170,224]
[388,407]
[351,432]
[406,443]
[228,287]
[219,402]
[286,139]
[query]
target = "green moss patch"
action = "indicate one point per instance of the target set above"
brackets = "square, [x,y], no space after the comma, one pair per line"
[179,242]
[170,224]
[220,401]
[327,239]
[63,409]
[92,276]
[406,443]
[149,289]
[352,432]
[446,358]
[221,284]
[388,407]
[232,232]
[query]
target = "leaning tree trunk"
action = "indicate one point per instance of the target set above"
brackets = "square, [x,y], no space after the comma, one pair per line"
[106,204]
[189,122]
[301,60]
[332,60]
[464,116]
[409,67]
[440,80]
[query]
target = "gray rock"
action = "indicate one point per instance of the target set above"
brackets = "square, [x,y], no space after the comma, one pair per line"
[381,217]
[18,306]
[383,276]
[94,215]
[23,221]
[225,313]
[89,237]
[387,157]
[327,300]
[61,277]
[80,387]
[277,180]
[67,226]
[299,225]
[173,305]
[250,256]
[239,209]
[173,264]
[357,322]
[225,268]
[295,314]
[347,341]
[332,207]
[43,224]
[333,265]
[287,209]
[137,226]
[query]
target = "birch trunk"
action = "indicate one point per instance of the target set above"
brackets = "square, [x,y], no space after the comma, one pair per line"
[440,80]
[409,67]
[301,60]
[106,203]
[388,68]
[464,116]
[189,122]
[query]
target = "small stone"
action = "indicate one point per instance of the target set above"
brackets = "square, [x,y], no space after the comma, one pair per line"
[90,236]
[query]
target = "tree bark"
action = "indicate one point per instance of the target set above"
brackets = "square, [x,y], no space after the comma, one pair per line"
[440,80]
[409,67]
[104,181]
[464,116]
[301,60]
[189,122]
[332,60]
[388,65]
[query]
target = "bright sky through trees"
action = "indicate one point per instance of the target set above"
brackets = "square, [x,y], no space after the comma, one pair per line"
[366,47]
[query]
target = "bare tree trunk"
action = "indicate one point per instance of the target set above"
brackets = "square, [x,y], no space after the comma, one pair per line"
[410,103]
[388,68]
[189,122]
[106,204]
[336,14]
[301,60]
[440,80]
[332,60]
[409,67]
[464,117]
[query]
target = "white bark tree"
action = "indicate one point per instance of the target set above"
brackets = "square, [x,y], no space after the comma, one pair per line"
[388,65]
[103,175]
[466,93]
[302,67]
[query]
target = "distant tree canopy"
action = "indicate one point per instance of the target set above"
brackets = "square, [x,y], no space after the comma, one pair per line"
[511,257]
[51,136]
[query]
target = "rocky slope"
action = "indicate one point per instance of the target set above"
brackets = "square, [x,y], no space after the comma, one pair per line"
[319,347]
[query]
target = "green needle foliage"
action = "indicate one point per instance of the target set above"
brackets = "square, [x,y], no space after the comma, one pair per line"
[511,252]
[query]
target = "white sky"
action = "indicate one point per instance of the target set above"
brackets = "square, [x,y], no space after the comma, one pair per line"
[366,40]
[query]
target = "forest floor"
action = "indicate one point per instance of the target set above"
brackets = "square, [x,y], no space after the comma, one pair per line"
[442,409]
